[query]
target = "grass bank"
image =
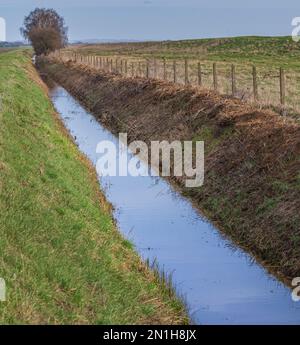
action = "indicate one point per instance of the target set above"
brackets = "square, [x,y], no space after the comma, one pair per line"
[252,159]
[62,257]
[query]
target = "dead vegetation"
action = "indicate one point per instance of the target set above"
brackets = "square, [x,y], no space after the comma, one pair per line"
[252,179]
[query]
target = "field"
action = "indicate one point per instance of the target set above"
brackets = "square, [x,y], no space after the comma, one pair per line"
[268,54]
[62,257]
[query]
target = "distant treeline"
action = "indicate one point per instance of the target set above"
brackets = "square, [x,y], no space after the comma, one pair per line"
[13,44]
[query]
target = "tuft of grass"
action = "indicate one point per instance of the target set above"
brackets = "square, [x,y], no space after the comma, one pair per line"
[63,260]
[211,138]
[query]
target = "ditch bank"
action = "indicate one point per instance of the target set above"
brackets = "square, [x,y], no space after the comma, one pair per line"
[63,258]
[252,166]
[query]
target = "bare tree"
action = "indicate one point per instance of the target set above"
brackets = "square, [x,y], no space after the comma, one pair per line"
[46,30]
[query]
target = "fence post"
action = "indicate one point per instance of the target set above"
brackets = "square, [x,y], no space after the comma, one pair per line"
[111,65]
[254,75]
[199,74]
[186,73]
[174,72]
[233,80]
[132,69]
[282,86]
[215,78]
[147,69]
[165,69]
[126,67]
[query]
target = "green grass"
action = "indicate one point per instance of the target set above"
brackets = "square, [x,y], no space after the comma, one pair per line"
[212,139]
[62,257]
[279,51]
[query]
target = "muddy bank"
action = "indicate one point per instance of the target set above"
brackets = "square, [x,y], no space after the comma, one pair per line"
[252,181]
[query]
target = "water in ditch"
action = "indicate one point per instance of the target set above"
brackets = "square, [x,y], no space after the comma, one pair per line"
[221,283]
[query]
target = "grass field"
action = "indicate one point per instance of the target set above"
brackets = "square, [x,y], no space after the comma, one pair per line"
[62,257]
[268,54]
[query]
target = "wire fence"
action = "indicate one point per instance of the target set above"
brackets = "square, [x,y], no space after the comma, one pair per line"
[264,84]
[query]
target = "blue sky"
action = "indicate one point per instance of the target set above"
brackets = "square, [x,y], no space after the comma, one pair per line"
[160,19]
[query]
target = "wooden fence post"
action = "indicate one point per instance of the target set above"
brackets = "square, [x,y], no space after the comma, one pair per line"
[174,72]
[282,86]
[199,74]
[233,80]
[126,67]
[215,77]
[165,69]
[186,72]
[155,68]
[147,69]
[254,75]
[132,69]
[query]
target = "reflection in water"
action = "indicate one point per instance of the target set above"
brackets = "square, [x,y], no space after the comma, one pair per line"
[221,284]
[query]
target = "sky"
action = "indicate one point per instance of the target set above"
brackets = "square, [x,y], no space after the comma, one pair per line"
[159,19]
